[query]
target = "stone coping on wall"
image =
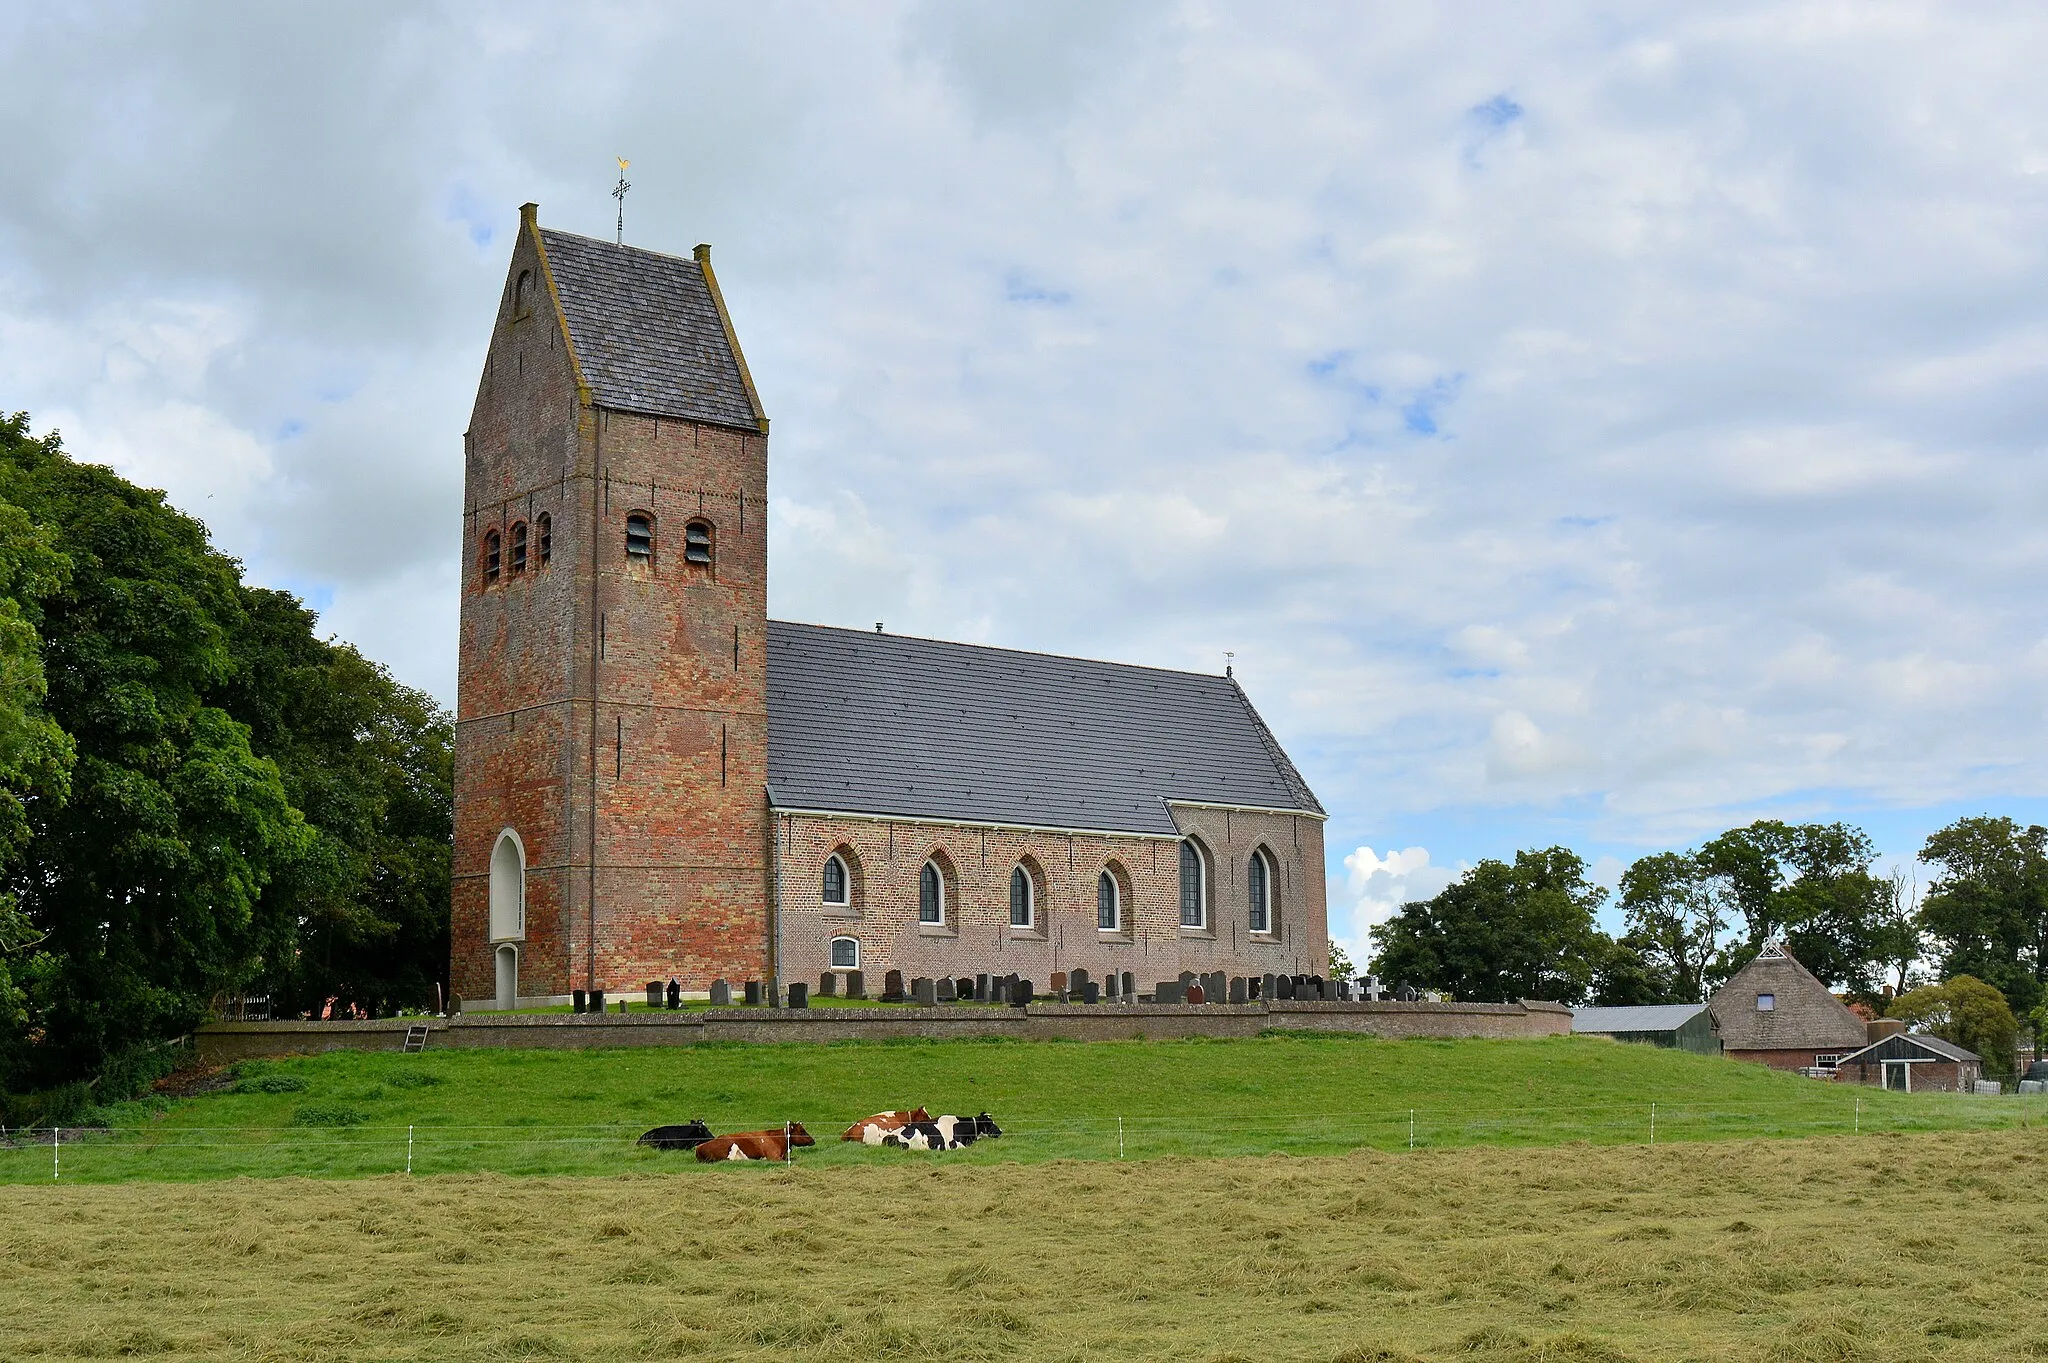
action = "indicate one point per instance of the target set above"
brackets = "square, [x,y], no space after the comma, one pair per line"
[222,1042]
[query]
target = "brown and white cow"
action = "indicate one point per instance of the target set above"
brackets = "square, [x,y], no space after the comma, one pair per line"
[870,1130]
[773,1145]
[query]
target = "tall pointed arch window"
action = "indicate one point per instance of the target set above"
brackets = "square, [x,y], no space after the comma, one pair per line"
[1109,904]
[1023,898]
[1258,887]
[931,894]
[835,887]
[1194,885]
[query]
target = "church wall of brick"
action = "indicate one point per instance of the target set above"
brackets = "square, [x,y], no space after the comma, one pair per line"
[886,859]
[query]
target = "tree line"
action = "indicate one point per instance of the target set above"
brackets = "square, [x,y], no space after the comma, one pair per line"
[199,797]
[1529,928]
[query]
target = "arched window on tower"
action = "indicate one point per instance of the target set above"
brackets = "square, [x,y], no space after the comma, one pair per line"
[493,550]
[697,542]
[544,537]
[640,537]
[519,546]
[522,296]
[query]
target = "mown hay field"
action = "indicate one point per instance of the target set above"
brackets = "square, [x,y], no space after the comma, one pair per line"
[578,1112]
[1875,1247]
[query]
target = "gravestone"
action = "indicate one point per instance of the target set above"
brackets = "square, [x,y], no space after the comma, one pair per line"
[1168,991]
[1216,986]
[799,994]
[1020,992]
[772,992]
[1321,987]
[892,987]
[1187,977]
[721,994]
[947,991]
[580,1001]
[753,995]
[856,985]
[1130,985]
[654,993]
[1059,980]
[828,984]
[963,989]
[1283,986]
[622,1005]
[1269,987]
[1077,980]
[1091,992]
[923,992]
[981,988]
[1196,994]
[675,994]
[597,1000]
[1343,991]
[1237,992]
[1109,989]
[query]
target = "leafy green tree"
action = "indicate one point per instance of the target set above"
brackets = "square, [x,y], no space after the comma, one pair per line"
[1676,922]
[1968,1012]
[1624,976]
[1987,909]
[1340,963]
[1809,885]
[1501,932]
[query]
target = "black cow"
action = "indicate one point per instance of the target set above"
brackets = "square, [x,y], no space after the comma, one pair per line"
[688,1136]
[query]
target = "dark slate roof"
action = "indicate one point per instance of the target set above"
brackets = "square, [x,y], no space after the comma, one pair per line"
[1806,1015]
[1656,1017]
[1886,1048]
[884,724]
[647,332]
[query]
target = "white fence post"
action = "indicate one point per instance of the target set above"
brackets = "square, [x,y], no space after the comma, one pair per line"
[1653,1123]
[56,1148]
[1411,1128]
[408,1150]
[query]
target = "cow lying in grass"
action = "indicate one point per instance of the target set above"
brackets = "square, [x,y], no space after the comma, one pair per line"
[685,1137]
[762,1145]
[943,1133]
[871,1130]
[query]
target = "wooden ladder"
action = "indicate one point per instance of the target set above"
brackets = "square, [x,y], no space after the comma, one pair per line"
[416,1038]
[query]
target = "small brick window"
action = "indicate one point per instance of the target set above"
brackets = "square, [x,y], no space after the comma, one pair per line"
[845,953]
[640,537]
[544,537]
[493,552]
[519,547]
[697,542]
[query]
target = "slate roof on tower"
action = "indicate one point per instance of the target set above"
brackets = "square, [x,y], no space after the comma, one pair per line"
[884,724]
[649,331]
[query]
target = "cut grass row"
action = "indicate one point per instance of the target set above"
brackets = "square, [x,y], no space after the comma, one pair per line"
[1879,1250]
[347,1114]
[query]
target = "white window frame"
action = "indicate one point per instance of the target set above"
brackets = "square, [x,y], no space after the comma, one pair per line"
[1201,886]
[1116,901]
[832,953]
[845,901]
[931,864]
[1030,923]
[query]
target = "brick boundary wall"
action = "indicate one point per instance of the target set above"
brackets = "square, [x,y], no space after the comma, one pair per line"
[224,1042]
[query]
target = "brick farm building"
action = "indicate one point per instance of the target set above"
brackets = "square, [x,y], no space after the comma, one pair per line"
[653,780]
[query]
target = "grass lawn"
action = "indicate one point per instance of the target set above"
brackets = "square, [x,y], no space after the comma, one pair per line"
[1879,1249]
[578,1112]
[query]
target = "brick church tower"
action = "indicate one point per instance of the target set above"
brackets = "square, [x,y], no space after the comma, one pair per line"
[611,749]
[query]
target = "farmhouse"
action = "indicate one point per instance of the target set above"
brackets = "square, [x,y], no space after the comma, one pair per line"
[1679,1026]
[1775,1012]
[654,780]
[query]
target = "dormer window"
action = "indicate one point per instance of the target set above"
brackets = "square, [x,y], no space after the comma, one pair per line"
[697,542]
[1766,1003]
[640,537]
[493,551]
[519,547]
[544,537]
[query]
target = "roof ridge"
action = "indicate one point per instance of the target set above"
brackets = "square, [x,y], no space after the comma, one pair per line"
[1290,775]
[616,245]
[998,648]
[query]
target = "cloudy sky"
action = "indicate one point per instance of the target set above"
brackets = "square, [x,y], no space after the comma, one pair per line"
[1601,427]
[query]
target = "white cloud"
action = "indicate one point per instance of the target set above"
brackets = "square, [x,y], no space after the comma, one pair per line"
[1377,887]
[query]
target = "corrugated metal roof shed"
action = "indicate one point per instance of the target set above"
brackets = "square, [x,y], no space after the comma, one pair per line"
[1894,1047]
[883,724]
[1657,1017]
[647,332]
